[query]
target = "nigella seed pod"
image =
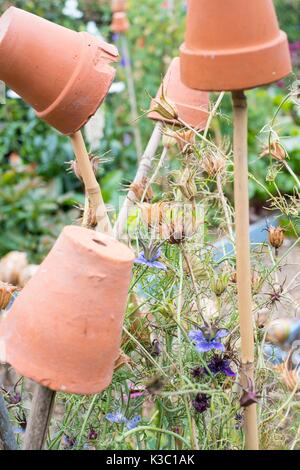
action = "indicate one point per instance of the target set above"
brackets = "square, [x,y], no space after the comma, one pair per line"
[219,284]
[6,294]
[276,237]
[138,188]
[275,150]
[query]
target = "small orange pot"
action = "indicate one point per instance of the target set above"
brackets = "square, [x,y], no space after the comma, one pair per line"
[118,5]
[120,23]
[191,105]
[64,75]
[233,45]
[64,329]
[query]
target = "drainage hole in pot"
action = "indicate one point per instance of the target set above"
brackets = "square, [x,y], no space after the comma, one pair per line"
[99,242]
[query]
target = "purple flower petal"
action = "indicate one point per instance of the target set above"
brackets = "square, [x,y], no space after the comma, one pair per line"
[203,346]
[221,333]
[157,264]
[132,423]
[117,417]
[196,335]
[228,371]
[217,345]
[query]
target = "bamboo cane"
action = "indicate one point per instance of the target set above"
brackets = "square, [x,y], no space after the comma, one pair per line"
[7,438]
[92,188]
[143,170]
[241,198]
[39,419]
[44,399]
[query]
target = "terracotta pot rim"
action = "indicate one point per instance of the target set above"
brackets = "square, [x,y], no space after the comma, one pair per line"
[195,60]
[281,37]
[87,389]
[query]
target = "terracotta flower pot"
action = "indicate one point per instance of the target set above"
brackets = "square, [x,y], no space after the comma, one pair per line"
[118,5]
[233,45]
[64,75]
[191,105]
[120,23]
[64,329]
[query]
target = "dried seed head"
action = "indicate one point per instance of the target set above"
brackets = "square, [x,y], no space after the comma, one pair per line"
[262,317]
[256,282]
[152,214]
[165,107]
[6,293]
[213,163]
[219,284]
[178,223]
[138,189]
[185,140]
[275,150]
[276,237]
[186,183]
[74,167]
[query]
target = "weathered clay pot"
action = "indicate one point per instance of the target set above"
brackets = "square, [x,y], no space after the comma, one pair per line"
[233,45]
[118,5]
[191,105]
[64,75]
[120,23]
[64,329]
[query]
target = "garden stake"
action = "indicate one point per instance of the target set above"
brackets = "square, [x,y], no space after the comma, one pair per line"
[39,419]
[92,189]
[7,438]
[143,170]
[241,198]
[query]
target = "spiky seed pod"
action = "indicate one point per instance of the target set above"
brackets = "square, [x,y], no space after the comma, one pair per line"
[290,376]
[187,184]
[275,150]
[276,237]
[152,214]
[262,317]
[6,293]
[165,107]
[138,189]
[73,166]
[213,163]
[185,139]
[219,284]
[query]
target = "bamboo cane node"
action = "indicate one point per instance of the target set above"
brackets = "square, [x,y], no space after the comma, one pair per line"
[247,367]
[92,191]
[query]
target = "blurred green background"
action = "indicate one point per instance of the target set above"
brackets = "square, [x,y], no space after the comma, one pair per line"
[37,194]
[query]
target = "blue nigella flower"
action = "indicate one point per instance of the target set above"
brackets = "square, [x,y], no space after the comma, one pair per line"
[208,340]
[150,262]
[133,423]
[118,417]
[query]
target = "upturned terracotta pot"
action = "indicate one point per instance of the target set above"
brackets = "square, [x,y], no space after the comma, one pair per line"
[63,74]
[120,23]
[233,45]
[118,5]
[64,329]
[191,105]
